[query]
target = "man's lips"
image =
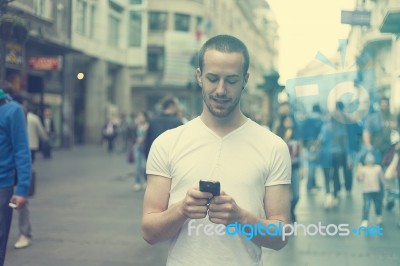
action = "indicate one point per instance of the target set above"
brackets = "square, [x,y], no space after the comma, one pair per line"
[220,100]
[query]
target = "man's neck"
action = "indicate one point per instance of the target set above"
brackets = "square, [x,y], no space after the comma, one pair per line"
[223,126]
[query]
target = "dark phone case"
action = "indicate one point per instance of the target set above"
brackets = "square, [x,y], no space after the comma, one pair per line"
[213,187]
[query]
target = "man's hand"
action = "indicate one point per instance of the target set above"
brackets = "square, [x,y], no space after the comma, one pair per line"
[224,210]
[195,204]
[19,201]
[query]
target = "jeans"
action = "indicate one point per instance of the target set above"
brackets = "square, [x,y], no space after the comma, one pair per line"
[332,174]
[368,197]
[23,221]
[312,165]
[140,163]
[5,220]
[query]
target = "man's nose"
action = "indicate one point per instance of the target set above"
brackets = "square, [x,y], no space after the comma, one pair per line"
[221,90]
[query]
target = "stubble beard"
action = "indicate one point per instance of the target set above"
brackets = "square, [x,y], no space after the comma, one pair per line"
[220,113]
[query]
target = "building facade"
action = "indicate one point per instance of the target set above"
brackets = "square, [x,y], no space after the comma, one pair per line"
[390,24]
[378,47]
[34,59]
[370,70]
[110,39]
[92,60]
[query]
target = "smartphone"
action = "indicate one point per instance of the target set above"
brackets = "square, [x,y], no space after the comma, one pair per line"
[211,186]
[12,205]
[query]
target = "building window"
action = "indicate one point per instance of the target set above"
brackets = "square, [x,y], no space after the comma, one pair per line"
[182,22]
[92,22]
[135,29]
[43,8]
[85,17]
[199,22]
[81,7]
[157,21]
[155,60]
[135,2]
[113,30]
[114,24]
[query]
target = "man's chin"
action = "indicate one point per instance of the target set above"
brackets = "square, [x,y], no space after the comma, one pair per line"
[219,113]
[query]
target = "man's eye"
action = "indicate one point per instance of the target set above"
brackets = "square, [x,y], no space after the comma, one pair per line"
[213,79]
[230,81]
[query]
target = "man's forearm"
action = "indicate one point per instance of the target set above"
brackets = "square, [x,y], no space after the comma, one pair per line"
[157,227]
[267,240]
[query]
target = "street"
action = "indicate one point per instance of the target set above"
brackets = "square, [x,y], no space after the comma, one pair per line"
[85,213]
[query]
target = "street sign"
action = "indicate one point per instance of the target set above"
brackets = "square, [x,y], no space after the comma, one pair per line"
[356,17]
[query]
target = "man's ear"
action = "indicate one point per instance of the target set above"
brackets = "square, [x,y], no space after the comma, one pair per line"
[198,74]
[246,78]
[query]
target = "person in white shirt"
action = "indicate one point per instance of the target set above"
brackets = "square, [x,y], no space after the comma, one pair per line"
[252,165]
[36,133]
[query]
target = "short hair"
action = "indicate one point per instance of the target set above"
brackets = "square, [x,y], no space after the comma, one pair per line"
[226,44]
[168,101]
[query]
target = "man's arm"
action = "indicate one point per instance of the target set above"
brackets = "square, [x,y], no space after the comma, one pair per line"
[22,157]
[224,210]
[160,223]
[277,209]
[40,130]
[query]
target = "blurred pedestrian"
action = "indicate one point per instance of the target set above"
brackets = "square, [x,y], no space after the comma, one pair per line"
[387,159]
[36,134]
[333,149]
[391,164]
[376,135]
[251,163]
[109,133]
[378,128]
[371,176]
[138,151]
[48,123]
[310,129]
[166,120]
[15,161]
[286,132]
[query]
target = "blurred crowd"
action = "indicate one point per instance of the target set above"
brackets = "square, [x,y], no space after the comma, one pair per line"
[366,150]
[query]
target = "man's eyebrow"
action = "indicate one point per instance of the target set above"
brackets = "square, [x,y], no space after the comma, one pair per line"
[229,76]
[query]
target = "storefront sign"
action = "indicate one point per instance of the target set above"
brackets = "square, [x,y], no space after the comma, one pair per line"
[14,54]
[45,63]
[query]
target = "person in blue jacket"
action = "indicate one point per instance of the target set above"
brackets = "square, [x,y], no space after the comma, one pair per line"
[15,164]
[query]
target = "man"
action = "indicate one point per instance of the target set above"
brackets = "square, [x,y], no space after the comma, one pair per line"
[166,120]
[49,127]
[251,163]
[36,133]
[14,161]
[376,136]
[311,128]
[377,129]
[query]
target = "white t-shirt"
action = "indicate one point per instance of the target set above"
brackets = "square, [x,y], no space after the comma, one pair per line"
[244,161]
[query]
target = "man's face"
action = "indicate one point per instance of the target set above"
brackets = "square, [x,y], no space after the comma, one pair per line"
[222,82]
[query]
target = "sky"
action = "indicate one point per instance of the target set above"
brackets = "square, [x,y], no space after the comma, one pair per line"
[306,27]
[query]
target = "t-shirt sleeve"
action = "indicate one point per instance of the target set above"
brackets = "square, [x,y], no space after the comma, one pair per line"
[280,171]
[157,162]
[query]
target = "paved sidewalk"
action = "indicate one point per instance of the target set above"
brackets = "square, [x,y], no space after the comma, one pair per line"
[85,213]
